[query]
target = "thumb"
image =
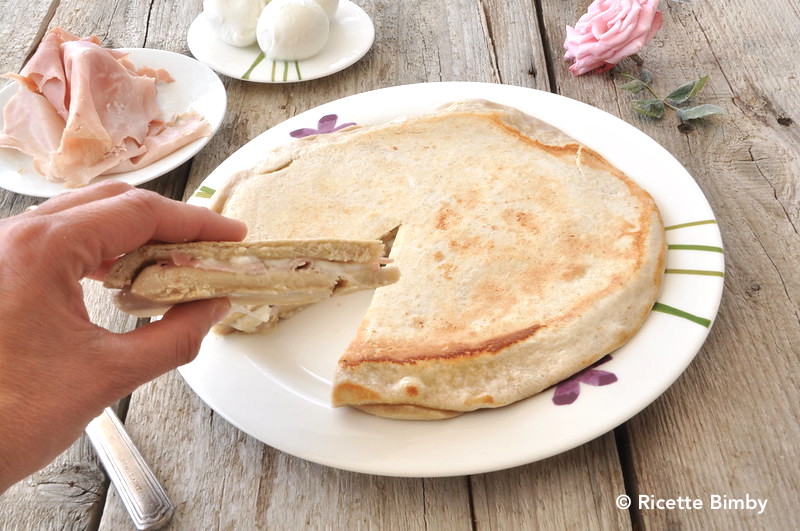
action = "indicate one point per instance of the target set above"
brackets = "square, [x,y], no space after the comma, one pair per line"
[171,341]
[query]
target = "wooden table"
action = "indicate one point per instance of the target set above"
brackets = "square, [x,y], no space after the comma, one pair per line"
[729,425]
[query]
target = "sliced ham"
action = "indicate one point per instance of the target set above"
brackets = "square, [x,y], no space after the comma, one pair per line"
[36,127]
[163,139]
[45,70]
[82,110]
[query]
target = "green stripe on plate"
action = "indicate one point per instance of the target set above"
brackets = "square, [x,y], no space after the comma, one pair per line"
[659,307]
[259,58]
[695,272]
[688,247]
[691,224]
[205,192]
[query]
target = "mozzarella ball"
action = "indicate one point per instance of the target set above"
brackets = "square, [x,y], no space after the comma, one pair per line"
[291,30]
[234,21]
[330,7]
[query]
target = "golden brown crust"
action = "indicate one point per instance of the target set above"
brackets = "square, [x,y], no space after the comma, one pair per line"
[394,354]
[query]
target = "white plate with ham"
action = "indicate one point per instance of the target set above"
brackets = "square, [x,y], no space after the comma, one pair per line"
[191,92]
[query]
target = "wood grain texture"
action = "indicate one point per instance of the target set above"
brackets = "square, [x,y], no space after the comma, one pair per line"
[27,22]
[517,44]
[729,426]
[574,490]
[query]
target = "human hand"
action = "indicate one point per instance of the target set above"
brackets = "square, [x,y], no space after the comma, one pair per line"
[58,370]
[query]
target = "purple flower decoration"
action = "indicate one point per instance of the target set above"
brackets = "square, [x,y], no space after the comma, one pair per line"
[326,124]
[567,391]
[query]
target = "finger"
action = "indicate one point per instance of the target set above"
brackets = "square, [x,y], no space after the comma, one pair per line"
[163,345]
[114,225]
[100,273]
[162,219]
[85,195]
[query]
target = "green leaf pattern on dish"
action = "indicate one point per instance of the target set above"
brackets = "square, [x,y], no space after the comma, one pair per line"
[677,312]
[204,192]
[274,71]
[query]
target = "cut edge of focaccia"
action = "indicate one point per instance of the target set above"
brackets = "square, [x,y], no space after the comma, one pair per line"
[530,349]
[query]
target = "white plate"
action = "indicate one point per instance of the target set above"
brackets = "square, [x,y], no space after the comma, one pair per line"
[351,36]
[195,87]
[276,387]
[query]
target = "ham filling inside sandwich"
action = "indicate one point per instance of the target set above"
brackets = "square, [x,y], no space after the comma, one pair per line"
[252,265]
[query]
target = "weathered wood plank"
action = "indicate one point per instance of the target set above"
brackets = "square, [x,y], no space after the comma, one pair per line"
[729,426]
[573,490]
[21,28]
[517,45]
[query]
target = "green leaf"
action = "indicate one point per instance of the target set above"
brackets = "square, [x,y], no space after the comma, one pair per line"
[686,92]
[634,86]
[654,108]
[646,76]
[701,111]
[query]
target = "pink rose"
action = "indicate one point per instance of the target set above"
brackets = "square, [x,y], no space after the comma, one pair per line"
[610,31]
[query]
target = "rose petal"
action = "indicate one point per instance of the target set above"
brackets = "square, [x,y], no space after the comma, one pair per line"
[609,31]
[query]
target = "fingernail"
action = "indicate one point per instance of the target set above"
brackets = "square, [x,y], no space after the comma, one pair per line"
[221,310]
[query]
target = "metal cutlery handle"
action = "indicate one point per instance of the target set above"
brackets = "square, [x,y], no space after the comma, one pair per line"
[144,497]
